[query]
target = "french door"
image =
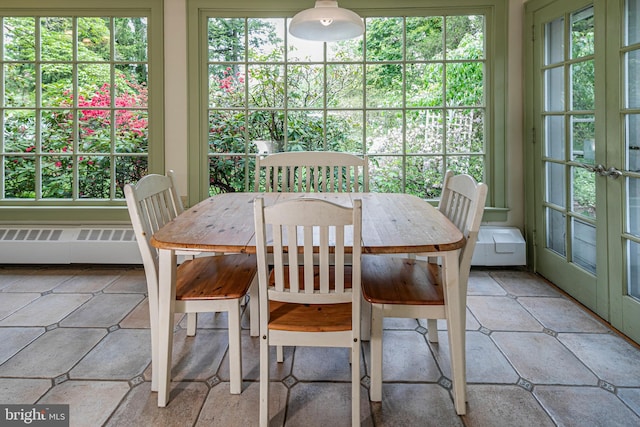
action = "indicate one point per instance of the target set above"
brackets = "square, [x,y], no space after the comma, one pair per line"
[584,149]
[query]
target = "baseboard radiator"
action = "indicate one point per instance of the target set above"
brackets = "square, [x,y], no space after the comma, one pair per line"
[497,246]
[68,245]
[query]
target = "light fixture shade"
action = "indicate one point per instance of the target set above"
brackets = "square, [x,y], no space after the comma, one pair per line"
[326,22]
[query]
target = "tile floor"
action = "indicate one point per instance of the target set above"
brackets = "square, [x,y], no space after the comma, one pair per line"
[79,335]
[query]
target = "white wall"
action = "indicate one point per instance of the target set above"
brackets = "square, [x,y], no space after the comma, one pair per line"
[176,103]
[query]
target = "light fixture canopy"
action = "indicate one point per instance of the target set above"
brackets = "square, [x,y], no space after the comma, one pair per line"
[326,22]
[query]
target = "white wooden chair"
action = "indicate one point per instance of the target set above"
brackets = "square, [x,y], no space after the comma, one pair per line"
[203,284]
[410,288]
[312,171]
[307,303]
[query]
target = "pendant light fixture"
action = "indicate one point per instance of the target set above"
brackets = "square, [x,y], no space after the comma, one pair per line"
[326,22]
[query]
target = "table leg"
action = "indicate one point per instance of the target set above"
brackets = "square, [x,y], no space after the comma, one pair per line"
[455,328]
[166,308]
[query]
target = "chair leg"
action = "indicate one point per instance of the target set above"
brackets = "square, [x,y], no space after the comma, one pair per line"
[355,384]
[375,389]
[432,330]
[279,354]
[235,349]
[264,380]
[192,324]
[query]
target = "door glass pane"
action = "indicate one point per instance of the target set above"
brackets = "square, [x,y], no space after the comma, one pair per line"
[556,231]
[582,32]
[555,137]
[633,21]
[633,269]
[554,83]
[633,206]
[554,39]
[582,87]
[583,138]
[584,192]
[584,245]
[632,61]
[633,142]
[555,184]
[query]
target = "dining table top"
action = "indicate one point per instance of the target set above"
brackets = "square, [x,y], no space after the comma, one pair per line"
[391,223]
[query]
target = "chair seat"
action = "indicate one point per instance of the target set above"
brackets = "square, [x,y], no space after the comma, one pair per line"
[400,281]
[309,317]
[215,277]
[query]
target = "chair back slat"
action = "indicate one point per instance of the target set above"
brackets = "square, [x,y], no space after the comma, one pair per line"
[311,171]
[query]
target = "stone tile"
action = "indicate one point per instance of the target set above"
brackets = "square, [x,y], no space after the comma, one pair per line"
[89,281]
[481,283]
[121,355]
[631,396]
[502,314]
[251,361]
[46,310]
[324,404]
[400,323]
[485,362]
[610,357]
[585,406]
[103,310]
[140,406]
[129,281]
[503,406]
[83,411]
[52,354]
[199,357]
[209,321]
[523,283]
[415,405]
[15,339]
[322,364]
[138,318]
[37,280]
[561,315]
[405,357]
[542,359]
[224,409]
[11,302]
[22,390]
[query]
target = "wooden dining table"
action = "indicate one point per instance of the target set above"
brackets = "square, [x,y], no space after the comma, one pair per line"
[391,224]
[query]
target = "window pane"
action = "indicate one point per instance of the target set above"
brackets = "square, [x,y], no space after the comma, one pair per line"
[95,177]
[465,37]
[384,39]
[632,16]
[131,39]
[19,131]
[633,269]
[384,132]
[582,33]
[20,85]
[305,131]
[57,177]
[424,176]
[344,131]
[583,138]
[632,62]
[584,192]
[266,86]
[384,85]
[425,38]
[424,85]
[554,137]
[554,41]
[344,86]
[584,245]
[57,40]
[305,86]
[19,177]
[465,84]
[555,184]
[19,39]
[94,39]
[554,89]
[632,137]
[583,86]
[465,131]
[385,174]
[57,82]
[56,127]
[226,39]
[633,208]
[556,230]
[425,131]
[266,40]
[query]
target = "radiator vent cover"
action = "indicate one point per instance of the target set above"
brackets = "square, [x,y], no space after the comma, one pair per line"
[68,245]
